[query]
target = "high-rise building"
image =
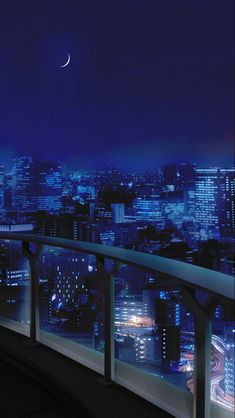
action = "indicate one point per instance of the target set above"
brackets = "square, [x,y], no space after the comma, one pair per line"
[82,231]
[118,213]
[214,198]
[168,321]
[100,214]
[168,309]
[149,300]
[125,234]
[147,348]
[207,196]
[67,278]
[54,225]
[48,186]
[229,372]
[189,201]
[170,347]
[14,269]
[227,196]
[107,236]
[149,210]
[22,184]
[129,310]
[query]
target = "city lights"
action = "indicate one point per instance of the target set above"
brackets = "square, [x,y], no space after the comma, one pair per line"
[179,211]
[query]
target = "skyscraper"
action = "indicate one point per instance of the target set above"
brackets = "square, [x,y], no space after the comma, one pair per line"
[170,346]
[22,184]
[149,211]
[118,213]
[14,268]
[214,198]
[48,182]
[227,195]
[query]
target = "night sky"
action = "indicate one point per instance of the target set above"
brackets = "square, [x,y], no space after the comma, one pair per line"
[149,82]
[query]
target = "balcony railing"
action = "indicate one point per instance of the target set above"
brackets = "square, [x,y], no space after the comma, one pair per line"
[200,291]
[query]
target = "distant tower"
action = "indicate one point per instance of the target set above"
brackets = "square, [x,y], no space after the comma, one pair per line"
[48,186]
[14,268]
[227,196]
[168,319]
[22,184]
[170,347]
[118,213]
[214,198]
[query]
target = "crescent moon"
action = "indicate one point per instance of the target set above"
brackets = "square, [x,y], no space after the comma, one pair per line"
[67,62]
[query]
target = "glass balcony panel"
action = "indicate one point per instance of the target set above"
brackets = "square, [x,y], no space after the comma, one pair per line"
[71,306]
[14,287]
[223,361]
[154,339]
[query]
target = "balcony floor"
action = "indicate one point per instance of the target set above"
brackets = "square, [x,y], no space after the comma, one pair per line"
[22,396]
[39,382]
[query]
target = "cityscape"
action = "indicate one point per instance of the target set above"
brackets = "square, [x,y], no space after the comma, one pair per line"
[179,210]
[117,133]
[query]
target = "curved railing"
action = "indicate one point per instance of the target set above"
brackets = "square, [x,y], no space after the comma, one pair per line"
[218,286]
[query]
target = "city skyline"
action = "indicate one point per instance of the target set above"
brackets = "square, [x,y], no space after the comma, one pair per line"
[179,196]
[7,158]
[179,212]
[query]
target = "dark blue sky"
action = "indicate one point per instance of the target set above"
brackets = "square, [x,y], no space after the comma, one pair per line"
[149,82]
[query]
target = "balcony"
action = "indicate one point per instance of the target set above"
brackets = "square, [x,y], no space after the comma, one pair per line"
[105,324]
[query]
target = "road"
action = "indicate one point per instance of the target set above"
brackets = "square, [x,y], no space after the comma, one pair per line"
[219,352]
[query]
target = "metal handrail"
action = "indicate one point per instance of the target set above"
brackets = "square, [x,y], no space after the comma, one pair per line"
[218,285]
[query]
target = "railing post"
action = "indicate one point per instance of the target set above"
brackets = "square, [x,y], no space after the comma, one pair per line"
[203,368]
[202,354]
[108,321]
[34,287]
